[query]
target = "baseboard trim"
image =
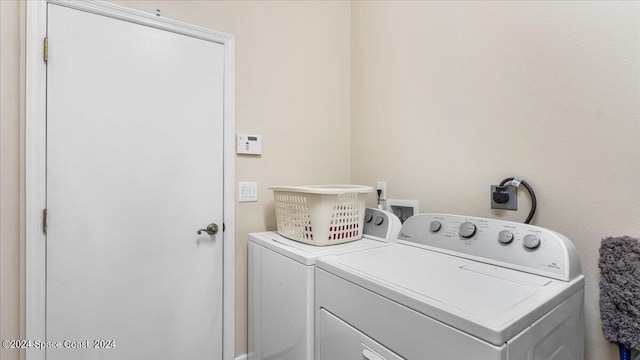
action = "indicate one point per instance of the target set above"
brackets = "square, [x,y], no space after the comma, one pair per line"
[242,357]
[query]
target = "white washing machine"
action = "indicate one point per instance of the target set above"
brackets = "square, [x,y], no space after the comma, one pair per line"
[454,287]
[282,283]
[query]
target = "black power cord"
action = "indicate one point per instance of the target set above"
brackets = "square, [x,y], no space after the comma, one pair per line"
[534,202]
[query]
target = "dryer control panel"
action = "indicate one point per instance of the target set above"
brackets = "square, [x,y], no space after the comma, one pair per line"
[380,225]
[504,243]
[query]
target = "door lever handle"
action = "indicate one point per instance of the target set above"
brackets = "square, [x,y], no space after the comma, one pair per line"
[211,229]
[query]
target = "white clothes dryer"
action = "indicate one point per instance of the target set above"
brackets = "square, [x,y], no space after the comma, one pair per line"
[451,288]
[282,287]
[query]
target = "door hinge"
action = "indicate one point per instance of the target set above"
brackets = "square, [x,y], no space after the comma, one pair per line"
[46,49]
[44,221]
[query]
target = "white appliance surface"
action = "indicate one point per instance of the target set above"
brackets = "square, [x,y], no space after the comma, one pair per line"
[282,287]
[307,254]
[484,300]
[457,287]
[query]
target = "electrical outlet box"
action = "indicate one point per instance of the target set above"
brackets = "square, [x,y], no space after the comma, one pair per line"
[382,186]
[511,193]
[403,209]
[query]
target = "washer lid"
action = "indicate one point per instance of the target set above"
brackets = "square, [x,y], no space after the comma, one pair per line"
[487,301]
[305,253]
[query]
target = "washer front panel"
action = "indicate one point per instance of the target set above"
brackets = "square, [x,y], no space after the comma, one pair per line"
[487,301]
[401,330]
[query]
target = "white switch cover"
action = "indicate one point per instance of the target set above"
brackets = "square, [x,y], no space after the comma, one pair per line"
[247,191]
[249,144]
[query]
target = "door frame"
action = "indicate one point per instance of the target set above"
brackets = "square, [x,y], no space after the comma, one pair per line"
[35,165]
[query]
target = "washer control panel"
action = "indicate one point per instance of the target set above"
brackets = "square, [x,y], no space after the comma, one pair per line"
[467,229]
[504,243]
[380,225]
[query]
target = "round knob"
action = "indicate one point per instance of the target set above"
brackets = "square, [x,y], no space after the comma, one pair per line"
[435,226]
[531,241]
[505,236]
[467,230]
[378,220]
[368,218]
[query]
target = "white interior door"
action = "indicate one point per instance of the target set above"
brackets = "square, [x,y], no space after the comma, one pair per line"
[134,169]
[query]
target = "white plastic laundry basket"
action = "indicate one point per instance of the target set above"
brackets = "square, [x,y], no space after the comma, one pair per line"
[321,214]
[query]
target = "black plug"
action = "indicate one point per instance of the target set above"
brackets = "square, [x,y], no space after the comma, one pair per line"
[504,197]
[500,195]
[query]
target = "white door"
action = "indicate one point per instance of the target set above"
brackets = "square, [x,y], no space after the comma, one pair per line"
[134,169]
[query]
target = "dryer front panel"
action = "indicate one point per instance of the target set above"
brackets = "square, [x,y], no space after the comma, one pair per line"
[281,307]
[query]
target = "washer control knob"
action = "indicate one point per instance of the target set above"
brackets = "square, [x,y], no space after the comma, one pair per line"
[435,226]
[505,237]
[467,230]
[368,218]
[531,241]
[378,220]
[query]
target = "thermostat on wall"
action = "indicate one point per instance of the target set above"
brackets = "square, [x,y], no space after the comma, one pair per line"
[249,144]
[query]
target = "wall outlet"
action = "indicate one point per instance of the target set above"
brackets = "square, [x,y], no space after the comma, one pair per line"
[403,209]
[504,197]
[381,185]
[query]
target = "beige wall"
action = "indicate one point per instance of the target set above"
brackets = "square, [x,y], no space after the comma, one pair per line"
[449,98]
[11,178]
[443,99]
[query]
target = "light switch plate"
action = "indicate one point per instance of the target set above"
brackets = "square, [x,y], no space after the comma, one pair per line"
[247,191]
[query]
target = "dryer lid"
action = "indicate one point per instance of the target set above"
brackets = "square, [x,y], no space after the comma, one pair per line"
[487,301]
[307,254]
